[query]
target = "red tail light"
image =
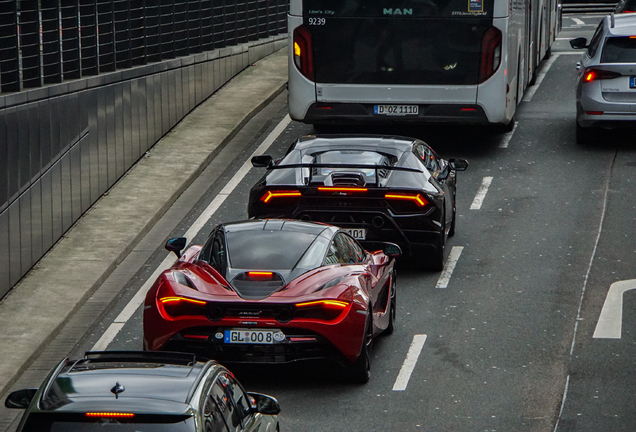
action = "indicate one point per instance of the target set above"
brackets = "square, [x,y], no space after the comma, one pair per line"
[323,310]
[270,195]
[175,306]
[416,198]
[598,74]
[490,53]
[303,57]
[260,275]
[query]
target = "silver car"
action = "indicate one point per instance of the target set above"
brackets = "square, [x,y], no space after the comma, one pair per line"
[606,83]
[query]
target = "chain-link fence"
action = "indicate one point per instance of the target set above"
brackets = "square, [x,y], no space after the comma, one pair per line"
[49,41]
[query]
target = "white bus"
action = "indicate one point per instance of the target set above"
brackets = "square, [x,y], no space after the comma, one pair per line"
[415,61]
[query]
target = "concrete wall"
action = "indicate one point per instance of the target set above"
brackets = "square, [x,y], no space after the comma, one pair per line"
[63,146]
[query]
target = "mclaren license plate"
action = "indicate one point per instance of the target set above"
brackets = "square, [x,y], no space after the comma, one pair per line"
[249,336]
[357,233]
[396,110]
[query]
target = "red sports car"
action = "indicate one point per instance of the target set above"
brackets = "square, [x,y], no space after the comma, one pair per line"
[274,291]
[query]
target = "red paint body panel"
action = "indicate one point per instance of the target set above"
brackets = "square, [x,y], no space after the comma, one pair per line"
[363,285]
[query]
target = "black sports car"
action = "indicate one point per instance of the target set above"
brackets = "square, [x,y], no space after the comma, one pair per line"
[377,188]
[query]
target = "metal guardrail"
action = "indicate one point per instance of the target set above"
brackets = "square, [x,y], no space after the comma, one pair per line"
[49,41]
[588,7]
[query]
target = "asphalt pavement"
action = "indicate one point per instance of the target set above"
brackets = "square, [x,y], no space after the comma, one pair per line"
[73,271]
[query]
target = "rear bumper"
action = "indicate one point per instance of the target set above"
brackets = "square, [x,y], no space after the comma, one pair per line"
[304,339]
[363,113]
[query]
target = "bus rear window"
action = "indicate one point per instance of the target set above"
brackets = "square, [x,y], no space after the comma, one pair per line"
[402,9]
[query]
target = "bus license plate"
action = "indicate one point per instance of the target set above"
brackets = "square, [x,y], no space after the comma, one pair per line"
[247,336]
[396,110]
[357,233]
[632,82]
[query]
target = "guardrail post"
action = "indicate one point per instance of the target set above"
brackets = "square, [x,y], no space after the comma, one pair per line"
[51,28]
[29,42]
[69,13]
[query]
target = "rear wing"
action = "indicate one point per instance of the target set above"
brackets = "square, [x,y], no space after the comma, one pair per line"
[376,168]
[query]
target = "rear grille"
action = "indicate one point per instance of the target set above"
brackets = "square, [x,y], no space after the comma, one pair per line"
[247,311]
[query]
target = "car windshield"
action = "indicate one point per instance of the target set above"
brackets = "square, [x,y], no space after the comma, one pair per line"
[81,423]
[266,249]
[619,50]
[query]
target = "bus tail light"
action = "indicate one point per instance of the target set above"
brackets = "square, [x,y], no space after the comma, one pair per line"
[303,56]
[490,53]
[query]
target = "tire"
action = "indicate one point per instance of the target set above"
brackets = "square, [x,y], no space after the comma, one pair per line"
[360,371]
[548,53]
[391,327]
[435,261]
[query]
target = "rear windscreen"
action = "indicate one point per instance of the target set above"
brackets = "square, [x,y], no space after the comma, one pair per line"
[619,50]
[398,50]
[267,250]
[81,423]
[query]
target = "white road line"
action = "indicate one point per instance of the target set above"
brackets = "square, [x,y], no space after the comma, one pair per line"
[610,322]
[194,229]
[565,394]
[415,349]
[528,96]
[481,193]
[451,262]
[577,20]
[508,136]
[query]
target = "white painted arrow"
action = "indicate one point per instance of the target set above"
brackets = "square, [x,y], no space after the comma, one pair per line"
[610,322]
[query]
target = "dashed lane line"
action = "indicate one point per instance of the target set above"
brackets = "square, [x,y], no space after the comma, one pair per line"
[451,262]
[481,193]
[415,349]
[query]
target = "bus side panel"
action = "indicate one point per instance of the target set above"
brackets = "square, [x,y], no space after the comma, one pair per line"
[302,92]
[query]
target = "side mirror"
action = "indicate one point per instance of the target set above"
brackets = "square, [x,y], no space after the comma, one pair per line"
[458,164]
[265,404]
[20,399]
[392,250]
[264,161]
[578,43]
[176,245]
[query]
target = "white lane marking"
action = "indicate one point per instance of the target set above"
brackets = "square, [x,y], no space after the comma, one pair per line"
[481,193]
[194,229]
[571,53]
[415,349]
[578,21]
[528,96]
[565,394]
[451,262]
[610,322]
[508,136]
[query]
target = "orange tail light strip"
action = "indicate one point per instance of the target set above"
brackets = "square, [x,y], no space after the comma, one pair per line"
[419,199]
[165,300]
[108,414]
[341,189]
[329,303]
[269,195]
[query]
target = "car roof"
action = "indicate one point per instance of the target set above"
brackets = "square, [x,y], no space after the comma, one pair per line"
[624,25]
[149,382]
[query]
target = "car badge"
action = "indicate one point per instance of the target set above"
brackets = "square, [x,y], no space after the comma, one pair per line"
[117,388]
[450,66]
[279,336]
[219,335]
